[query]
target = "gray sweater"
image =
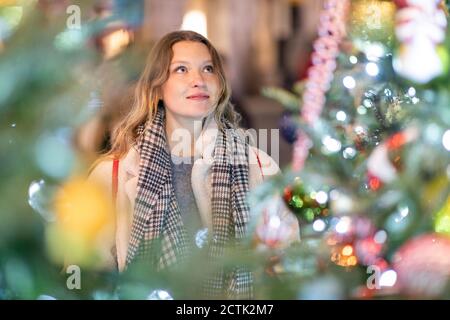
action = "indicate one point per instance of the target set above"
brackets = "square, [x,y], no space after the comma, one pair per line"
[181,181]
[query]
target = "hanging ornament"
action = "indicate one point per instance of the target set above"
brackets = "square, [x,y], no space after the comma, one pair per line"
[307,205]
[359,136]
[40,197]
[401,220]
[288,127]
[420,27]
[274,231]
[423,265]
[201,238]
[331,31]
[442,219]
[386,160]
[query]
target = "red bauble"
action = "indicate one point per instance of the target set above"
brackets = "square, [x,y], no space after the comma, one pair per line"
[402,3]
[386,160]
[423,265]
[368,251]
[272,232]
[408,3]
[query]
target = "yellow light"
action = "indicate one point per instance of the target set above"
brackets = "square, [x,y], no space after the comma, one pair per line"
[373,13]
[195,20]
[8,2]
[433,190]
[115,42]
[442,219]
[344,256]
[372,20]
[347,250]
[82,207]
[352,261]
[84,224]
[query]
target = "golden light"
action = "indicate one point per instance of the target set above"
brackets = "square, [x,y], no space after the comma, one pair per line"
[372,20]
[442,219]
[343,256]
[347,250]
[195,20]
[115,42]
[84,223]
[82,207]
[373,13]
[352,261]
[9,3]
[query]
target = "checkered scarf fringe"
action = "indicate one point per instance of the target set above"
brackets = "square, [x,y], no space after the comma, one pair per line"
[158,235]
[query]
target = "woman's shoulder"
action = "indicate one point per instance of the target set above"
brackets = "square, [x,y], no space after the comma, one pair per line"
[102,172]
[128,166]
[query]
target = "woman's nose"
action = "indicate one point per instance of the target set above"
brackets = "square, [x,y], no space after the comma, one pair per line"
[197,79]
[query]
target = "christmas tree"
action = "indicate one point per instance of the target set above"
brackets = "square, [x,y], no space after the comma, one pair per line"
[369,180]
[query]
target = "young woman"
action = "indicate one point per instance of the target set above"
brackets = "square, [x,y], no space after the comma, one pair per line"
[178,164]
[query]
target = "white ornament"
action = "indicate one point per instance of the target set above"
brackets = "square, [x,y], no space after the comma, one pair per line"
[420,27]
[410,62]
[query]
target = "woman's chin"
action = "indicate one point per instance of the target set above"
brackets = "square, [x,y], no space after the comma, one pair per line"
[199,113]
[193,111]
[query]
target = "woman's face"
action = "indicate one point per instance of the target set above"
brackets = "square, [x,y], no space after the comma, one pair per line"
[191,91]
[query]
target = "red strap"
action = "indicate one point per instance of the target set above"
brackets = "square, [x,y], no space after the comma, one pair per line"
[115,179]
[259,164]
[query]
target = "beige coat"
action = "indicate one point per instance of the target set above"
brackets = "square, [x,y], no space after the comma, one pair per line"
[201,186]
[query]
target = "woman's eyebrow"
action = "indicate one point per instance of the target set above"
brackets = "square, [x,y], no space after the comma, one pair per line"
[187,62]
[179,61]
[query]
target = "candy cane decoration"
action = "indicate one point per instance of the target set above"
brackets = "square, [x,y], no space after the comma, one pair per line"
[331,31]
[420,28]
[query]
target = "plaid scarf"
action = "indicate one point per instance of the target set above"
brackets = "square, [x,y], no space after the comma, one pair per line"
[158,234]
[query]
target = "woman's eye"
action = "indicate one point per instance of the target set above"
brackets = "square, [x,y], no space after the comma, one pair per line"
[209,69]
[181,69]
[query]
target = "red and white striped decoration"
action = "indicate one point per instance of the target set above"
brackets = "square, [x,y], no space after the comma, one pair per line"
[331,31]
[420,28]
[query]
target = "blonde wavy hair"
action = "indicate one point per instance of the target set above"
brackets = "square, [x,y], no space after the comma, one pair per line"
[147,94]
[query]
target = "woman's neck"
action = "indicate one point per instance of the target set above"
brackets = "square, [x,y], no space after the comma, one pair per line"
[182,133]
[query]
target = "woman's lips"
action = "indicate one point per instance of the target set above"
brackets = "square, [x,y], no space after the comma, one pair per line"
[198,97]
